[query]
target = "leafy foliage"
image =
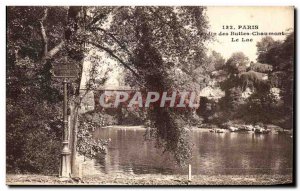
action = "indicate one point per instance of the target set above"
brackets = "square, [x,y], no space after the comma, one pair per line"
[237,63]
[258,67]
[281,56]
[163,48]
[215,61]
[32,135]
[88,146]
[35,39]
[275,70]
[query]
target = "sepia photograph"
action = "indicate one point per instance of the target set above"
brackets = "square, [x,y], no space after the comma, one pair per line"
[150,95]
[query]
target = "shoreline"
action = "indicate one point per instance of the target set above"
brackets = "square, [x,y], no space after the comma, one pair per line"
[202,129]
[150,179]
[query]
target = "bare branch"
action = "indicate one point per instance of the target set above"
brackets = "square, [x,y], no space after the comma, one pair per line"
[43,32]
[48,54]
[54,50]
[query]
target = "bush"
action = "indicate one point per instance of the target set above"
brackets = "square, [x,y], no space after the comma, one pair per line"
[33,137]
[87,145]
[38,152]
[42,152]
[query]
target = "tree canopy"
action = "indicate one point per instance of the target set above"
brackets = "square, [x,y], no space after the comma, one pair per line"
[162,47]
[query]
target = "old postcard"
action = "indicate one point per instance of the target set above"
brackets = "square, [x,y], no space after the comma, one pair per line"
[150,95]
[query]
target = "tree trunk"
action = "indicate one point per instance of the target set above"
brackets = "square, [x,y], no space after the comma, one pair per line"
[74,104]
[73,125]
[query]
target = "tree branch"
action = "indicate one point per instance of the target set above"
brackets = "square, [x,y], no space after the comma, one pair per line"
[101,16]
[43,32]
[110,52]
[114,38]
[48,54]
[96,19]
[54,50]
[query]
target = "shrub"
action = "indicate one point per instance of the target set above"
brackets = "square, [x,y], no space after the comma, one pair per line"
[33,137]
[33,151]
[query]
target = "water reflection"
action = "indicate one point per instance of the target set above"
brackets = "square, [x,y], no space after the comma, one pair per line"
[213,154]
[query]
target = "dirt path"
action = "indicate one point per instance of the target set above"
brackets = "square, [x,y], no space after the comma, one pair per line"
[122,179]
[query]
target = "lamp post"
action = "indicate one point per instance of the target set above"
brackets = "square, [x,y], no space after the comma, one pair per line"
[65,168]
[66,71]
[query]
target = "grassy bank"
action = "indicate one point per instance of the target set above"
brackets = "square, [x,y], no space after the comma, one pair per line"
[148,179]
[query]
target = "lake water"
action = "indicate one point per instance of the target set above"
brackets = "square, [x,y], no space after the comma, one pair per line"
[213,154]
